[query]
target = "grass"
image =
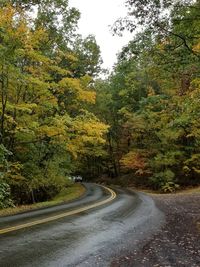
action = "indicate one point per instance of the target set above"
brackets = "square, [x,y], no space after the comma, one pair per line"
[67,194]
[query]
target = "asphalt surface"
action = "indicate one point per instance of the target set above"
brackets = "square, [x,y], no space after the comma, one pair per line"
[94,237]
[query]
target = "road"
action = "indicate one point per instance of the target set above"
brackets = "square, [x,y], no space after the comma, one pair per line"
[90,231]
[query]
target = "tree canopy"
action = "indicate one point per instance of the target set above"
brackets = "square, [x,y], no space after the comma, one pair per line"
[57,117]
[47,124]
[153,93]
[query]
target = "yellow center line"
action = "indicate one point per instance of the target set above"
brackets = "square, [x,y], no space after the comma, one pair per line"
[65,214]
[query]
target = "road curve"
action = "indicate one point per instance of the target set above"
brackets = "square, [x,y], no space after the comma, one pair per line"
[87,232]
[61,215]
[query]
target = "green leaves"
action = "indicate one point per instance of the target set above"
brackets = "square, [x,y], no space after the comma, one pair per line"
[154,133]
[46,98]
[5,200]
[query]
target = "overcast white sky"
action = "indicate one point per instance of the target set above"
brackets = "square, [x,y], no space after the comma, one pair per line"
[96,16]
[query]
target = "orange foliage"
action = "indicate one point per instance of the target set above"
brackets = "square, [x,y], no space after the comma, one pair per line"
[134,161]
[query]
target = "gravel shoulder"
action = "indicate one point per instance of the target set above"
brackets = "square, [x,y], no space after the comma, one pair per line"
[177,243]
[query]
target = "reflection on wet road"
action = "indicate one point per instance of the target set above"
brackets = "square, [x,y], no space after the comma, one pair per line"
[17,227]
[94,236]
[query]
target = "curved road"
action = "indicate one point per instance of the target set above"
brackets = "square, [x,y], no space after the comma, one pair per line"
[90,231]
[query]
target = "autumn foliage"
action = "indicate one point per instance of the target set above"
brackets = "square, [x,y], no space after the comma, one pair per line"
[47,124]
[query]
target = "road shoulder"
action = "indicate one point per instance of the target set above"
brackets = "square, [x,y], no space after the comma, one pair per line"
[177,243]
[65,196]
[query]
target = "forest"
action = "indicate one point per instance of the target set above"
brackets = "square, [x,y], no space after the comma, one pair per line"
[59,117]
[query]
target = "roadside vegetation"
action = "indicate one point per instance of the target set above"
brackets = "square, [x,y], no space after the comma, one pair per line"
[151,100]
[46,85]
[67,194]
[139,126]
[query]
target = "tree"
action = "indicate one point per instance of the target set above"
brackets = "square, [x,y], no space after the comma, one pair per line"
[154,91]
[45,118]
[88,55]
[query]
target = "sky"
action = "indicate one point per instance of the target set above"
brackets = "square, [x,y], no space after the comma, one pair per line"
[96,16]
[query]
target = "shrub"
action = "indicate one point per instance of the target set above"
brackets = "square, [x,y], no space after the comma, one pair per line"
[5,200]
[164,181]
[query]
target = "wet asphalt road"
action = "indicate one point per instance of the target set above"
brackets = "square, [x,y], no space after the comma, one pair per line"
[92,238]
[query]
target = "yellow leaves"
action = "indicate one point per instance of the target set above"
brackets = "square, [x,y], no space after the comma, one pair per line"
[59,70]
[88,132]
[54,129]
[24,107]
[50,131]
[90,128]
[161,46]
[52,101]
[123,92]
[38,84]
[38,57]
[41,93]
[14,25]
[57,128]
[6,15]
[14,172]
[9,119]
[87,96]
[196,48]
[35,38]
[70,84]
[65,55]
[186,170]
[72,148]
[16,32]
[151,91]
[77,87]
[195,84]
[85,80]
[78,135]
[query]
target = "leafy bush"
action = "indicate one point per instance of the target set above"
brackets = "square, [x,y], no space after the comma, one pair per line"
[170,187]
[164,181]
[5,200]
[3,161]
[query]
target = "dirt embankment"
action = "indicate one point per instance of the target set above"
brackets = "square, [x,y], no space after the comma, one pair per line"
[177,244]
